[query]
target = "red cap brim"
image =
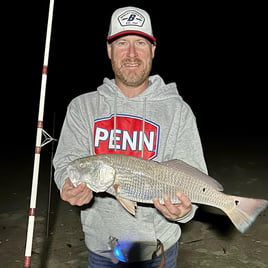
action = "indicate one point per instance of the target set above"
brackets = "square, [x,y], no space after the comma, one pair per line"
[120,34]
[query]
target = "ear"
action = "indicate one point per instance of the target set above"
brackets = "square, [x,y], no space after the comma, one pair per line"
[109,50]
[153,50]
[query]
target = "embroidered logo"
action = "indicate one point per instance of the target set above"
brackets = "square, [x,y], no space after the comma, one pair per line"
[127,137]
[131,18]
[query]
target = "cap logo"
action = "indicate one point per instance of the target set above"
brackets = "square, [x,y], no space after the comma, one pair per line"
[131,18]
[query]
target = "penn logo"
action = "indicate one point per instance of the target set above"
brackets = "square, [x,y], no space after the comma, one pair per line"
[127,137]
[131,17]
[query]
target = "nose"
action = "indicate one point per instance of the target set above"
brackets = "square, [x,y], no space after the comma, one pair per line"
[132,50]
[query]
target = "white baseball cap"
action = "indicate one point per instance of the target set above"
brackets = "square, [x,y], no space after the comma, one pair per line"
[130,20]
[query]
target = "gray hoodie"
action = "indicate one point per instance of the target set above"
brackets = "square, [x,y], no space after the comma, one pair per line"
[158,125]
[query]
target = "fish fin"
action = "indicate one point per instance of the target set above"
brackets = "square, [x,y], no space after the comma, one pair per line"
[181,165]
[116,186]
[129,205]
[245,211]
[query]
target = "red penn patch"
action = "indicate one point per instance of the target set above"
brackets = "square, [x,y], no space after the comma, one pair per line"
[123,134]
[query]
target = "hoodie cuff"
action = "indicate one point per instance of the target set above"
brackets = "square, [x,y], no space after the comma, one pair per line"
[188,216]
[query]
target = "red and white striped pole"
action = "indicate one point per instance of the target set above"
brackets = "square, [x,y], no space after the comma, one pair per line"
[29,239]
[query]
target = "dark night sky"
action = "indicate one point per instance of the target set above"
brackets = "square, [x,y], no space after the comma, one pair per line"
[214,52]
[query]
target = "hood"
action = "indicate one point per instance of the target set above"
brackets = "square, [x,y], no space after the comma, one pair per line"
[157,90]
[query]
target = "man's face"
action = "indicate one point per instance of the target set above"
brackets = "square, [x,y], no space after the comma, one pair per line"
[131,58]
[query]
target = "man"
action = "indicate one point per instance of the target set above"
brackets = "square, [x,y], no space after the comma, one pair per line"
[135,114]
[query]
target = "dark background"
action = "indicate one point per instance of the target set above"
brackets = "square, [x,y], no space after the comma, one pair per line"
[214,52]
[217,55]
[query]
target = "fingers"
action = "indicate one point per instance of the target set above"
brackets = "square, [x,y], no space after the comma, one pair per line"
[78,196]
[167,208]
[185,201]
[83,199]
[157,204]
[174,211]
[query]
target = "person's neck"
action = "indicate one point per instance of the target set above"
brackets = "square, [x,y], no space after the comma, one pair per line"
[132,91]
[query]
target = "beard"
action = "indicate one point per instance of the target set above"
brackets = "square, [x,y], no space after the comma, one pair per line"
[131,77]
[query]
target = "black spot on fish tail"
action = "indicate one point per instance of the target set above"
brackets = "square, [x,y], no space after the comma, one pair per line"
[236,202]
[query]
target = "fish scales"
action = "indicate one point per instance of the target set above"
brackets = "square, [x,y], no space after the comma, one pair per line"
[150,179]
[140,184]
[135,183]
[132,179]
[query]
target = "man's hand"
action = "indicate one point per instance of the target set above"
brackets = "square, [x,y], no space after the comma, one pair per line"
[174,211]
[78,196]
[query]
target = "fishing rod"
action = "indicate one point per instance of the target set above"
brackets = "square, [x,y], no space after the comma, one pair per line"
[50,177]
[39,133]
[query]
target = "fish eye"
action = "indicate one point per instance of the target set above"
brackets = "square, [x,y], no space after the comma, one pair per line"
[81,165]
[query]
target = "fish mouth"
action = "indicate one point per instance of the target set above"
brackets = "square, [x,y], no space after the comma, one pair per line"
[74,175]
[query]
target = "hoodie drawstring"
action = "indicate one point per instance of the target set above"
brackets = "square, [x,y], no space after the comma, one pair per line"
[98,113]
[143,126]
[115,113]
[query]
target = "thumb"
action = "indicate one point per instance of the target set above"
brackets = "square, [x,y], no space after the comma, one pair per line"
[68,184]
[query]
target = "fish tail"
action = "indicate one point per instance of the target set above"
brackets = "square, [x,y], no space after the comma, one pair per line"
[245,211]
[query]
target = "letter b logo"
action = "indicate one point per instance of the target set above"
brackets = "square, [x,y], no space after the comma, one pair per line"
[132,17]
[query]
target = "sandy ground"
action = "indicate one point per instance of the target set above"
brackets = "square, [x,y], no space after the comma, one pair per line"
[208,241]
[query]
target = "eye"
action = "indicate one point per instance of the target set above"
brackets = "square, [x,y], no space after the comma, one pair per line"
[140,43]
[81,165]
[122,43]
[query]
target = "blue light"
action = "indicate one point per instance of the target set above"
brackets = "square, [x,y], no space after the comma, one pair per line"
[119,254]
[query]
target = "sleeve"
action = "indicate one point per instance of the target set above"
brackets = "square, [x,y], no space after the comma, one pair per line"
[73,142]
[188,145]
[188,216]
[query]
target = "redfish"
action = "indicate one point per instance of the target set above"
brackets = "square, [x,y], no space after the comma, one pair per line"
[132,179]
